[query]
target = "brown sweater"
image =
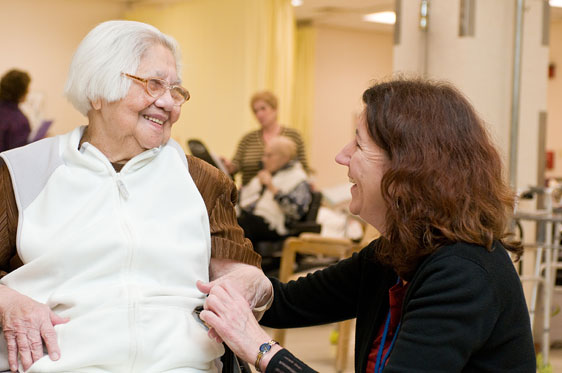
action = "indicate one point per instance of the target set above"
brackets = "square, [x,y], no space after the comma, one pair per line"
[219,194]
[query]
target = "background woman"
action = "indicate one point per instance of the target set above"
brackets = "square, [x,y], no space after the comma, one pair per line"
[14,126]
[438,291]
[114,225]
[249,152]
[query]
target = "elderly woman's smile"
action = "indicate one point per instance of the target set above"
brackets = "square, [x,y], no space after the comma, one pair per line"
[138,122]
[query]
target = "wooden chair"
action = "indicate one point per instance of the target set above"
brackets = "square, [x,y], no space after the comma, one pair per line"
[314,244]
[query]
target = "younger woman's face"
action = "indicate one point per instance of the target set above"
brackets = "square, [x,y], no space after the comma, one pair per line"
[366,164]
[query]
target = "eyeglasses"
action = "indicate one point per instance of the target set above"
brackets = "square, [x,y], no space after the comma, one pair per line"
[158,87]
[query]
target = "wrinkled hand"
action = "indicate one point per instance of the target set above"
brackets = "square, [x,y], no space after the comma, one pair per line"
[27,324]
[248,280]
[230,317]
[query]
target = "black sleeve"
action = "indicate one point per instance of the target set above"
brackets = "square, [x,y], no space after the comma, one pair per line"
[286,362]
[325,296]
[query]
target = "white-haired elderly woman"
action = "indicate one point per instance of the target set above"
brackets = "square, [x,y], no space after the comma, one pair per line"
[114,224]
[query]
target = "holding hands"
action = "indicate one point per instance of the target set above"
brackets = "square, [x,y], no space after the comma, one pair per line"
[230,318]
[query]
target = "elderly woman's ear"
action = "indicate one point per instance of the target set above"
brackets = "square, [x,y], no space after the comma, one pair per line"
[96,103]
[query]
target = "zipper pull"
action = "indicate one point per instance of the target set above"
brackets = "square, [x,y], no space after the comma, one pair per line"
[122,189]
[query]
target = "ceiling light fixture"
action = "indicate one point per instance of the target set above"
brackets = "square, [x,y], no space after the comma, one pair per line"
[388,18]
[296,2]
[556,3]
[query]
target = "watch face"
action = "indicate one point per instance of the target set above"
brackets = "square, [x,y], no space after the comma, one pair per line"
[265,347]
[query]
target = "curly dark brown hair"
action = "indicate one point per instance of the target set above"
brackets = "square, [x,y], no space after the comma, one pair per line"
[14,85]
[444,182]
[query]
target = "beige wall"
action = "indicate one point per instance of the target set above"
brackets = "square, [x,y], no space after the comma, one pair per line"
[347,62]
[40,37]
[554,101]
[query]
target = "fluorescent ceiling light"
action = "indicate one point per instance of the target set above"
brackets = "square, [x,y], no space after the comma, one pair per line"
[296,2]
[556,3]
[381,17]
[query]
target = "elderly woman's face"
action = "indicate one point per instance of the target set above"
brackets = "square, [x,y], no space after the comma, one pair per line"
[264,113]
[366,164]
[139,121]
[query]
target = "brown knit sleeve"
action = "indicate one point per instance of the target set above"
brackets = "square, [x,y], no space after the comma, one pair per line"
[220,196]
[8,221]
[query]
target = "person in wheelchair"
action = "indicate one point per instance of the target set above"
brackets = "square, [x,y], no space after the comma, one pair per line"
[277,196]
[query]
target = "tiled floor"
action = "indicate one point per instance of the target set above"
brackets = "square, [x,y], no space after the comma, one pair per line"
[556,360]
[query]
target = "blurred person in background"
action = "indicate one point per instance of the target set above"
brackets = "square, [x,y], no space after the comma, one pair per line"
[249,151]
[14,126]
[277,196]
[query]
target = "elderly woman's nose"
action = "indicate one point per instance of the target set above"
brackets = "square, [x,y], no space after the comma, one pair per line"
[165,101]
[344,155]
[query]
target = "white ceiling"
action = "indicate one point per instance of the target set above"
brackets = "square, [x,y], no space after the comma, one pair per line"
[340,13]
[348,13]
[344,13]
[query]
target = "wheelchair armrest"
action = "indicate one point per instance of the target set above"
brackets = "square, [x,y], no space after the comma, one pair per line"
[305,226]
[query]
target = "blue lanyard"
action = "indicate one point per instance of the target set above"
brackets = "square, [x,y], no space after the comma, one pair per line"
[378,366]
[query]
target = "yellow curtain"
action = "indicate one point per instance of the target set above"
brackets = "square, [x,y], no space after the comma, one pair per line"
[230,49]
[270,33]
[303,91]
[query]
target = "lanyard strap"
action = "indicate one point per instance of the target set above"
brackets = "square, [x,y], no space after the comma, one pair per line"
[378,366]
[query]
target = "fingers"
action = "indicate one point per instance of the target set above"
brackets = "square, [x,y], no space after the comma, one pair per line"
[203,287]
[12,350]
[56,319]
[50,337]
[24,350]
[35,344]
[27,325]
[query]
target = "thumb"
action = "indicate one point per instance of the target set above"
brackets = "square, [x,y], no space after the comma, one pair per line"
[204,287]
[56,319]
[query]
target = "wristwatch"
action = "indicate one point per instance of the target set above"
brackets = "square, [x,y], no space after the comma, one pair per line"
[264,349]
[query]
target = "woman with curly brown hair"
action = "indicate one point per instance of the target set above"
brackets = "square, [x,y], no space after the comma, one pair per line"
[438,290]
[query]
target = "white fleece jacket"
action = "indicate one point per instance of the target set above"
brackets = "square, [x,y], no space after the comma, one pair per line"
[117,253]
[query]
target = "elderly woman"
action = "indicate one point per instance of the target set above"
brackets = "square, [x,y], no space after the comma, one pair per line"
[249,152]
[14,126]
[277,196]
[438,291]
[114,225]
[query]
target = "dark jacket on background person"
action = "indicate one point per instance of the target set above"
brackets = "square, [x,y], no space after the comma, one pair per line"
[14,126]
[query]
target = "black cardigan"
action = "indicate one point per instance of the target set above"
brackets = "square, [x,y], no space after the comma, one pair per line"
[464,311]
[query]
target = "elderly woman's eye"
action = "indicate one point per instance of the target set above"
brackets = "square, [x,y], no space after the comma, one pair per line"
[155,86]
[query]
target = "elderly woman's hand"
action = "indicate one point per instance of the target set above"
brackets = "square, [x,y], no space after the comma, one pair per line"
[228,313]
[249,281]
[26,325]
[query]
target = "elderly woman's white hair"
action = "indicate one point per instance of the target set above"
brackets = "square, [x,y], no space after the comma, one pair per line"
[109,49]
